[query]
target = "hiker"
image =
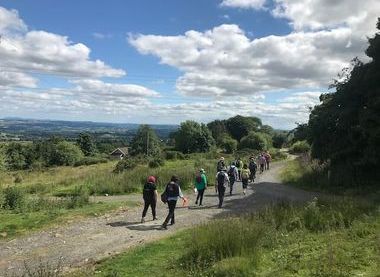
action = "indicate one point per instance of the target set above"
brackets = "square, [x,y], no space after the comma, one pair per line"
[233,175]
[245,173]
[239,165]
[262,161]
[200,184]
[268,158]
[252,168]
[220,164]
[150,197]
[221,183]
[173,192]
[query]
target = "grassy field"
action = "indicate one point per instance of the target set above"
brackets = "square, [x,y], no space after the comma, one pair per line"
[335,237]
[32,204]
[339,238]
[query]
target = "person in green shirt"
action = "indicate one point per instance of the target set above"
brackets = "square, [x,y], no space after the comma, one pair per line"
[200,184]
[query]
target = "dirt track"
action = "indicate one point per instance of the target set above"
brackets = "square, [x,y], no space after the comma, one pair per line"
[92,239]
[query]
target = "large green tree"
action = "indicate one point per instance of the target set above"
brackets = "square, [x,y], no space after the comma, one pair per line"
[239,126]
[145,142]
[193,137]
[218,130]
[345,128]
[86,144]
[256,141]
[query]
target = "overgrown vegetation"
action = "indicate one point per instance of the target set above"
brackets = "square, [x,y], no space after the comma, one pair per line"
[322,238]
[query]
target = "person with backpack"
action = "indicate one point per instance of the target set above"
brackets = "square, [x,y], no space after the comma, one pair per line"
[268,159]
[220,164]
[173,192]
[262,162]
[252,168]
[239,165]
[200,184]
[222,182]
[150,197]
[245,173]
[232,175]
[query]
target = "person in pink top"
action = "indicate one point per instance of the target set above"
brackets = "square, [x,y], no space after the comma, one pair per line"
[268,159]
[262,161]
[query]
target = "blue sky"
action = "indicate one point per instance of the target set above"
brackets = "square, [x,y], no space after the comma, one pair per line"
[169,61]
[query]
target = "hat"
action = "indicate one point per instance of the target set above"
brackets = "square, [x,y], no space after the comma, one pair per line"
[151,179]
[222,158]
[201,170]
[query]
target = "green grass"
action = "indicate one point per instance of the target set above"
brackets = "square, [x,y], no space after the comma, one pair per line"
[319,239]
[18,223]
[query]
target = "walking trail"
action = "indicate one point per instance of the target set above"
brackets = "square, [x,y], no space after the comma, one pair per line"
[89,240]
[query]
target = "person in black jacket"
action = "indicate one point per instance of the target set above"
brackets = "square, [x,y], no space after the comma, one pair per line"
[173,192]
[150,197]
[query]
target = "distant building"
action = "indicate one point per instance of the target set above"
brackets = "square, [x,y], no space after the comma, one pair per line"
[119,153]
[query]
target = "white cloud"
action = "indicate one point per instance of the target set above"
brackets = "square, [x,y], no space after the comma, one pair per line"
[215,66]
[10,21]
[244,4]
[23,53]
[360,16]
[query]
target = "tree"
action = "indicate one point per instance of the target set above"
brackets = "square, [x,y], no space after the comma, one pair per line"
[254,140]
[86,144]
[67,153]
[145,142]
[239,126]
[218,130]
[279,139]
[15,156]
[345,127]
[229,144]
[193,137]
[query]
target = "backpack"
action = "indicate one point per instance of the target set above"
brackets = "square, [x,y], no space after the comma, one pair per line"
[231,172]
[244,174]
[148,191]
[221,178]
[172,189]
[198,179]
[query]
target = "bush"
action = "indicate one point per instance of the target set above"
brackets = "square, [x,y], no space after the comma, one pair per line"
[300,147]
[276,154]
[125,164]
[174,155]
[253,140]
[156,162]
[229,145]
[13,198]
[17,178]
[90,161]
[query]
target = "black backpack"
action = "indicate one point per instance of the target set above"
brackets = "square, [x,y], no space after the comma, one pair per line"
[172,189]
[231,172]
[221,178]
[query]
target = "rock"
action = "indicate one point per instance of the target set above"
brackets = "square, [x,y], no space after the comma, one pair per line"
[57,235]
[4,234]
[106,194]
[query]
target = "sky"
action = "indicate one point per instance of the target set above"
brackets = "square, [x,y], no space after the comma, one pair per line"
[167,61]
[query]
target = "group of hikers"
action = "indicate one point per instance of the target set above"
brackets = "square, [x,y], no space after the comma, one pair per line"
[226,176]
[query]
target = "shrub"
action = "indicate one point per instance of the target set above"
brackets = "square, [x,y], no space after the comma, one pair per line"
[253,140]
[13,198]
[300,147]
[90,160]
[125,164]
[174,155]
[276,154]
[229,145]
[17,178]
[156,162]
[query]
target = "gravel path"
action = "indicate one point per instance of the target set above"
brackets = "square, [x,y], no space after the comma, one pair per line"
[84,242]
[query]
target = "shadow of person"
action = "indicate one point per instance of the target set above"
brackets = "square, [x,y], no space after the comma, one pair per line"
[142,227]
[121,223]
